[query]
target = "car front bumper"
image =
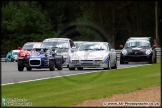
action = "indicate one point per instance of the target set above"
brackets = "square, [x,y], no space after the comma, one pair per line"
[88,64]
[135,58]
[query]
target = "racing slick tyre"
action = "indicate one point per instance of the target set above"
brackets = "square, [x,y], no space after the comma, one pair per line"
[151,60]
[121,61]
[20,65]
[51,65]
[59,66]
[155,59]
[28,68]
[126,62]
[80,68]
[115,67]
[71,68]
[12,60]
[59,62]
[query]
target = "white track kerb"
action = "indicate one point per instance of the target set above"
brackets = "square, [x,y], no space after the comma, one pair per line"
[69,75]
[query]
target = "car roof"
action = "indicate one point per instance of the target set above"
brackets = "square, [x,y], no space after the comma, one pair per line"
[80,41]
[139,38]
[33,43]
[95,42]
[16,50]
[57,39]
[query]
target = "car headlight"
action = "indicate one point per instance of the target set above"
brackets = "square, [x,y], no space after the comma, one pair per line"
[55,51]
[124,52]
[148,52]
[64,54]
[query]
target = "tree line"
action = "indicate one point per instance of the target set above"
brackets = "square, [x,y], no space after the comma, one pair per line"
[112,21]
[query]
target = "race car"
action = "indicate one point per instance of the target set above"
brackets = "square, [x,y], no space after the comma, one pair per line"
[27,47]
[94,55]
[138,49]
[63,46]
[41,58]
[12,56]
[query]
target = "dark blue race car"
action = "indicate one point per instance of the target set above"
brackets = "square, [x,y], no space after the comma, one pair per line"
[41,58]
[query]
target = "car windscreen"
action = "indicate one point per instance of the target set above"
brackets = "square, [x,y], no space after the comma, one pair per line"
[15,53]
[137,43]
[77,45]
[55,44]
[28,46]
[93,46]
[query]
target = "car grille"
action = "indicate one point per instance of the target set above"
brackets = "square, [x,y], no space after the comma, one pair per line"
[86,60]
[87,63]
[136,53]
[135,50]
[34,62]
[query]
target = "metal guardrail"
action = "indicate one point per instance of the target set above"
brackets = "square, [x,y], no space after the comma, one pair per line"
[117,51]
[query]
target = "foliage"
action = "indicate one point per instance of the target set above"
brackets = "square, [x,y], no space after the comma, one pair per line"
[73,90]
[116,21]
[22,22]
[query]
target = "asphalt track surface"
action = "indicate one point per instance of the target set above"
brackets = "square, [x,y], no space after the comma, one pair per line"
[10,74]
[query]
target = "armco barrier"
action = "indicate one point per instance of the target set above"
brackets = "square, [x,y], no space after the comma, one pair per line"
[118,54]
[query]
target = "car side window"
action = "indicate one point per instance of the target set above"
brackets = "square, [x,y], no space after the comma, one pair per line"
[109,47]
[71,43]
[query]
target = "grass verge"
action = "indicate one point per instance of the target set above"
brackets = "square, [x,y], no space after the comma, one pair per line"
[63,92]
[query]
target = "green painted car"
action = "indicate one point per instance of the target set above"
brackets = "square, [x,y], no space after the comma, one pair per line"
[12,56]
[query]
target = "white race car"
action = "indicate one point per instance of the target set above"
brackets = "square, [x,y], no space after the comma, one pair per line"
[93,55]
[63,46]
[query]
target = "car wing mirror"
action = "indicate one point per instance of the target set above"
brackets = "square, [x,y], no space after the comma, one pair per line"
[73,49]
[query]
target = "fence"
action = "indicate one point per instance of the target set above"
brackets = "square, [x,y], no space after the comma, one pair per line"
[117,51]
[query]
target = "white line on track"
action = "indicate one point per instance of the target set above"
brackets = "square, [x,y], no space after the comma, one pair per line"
[67,75]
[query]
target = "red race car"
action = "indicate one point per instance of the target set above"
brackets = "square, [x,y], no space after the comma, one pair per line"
[25,50]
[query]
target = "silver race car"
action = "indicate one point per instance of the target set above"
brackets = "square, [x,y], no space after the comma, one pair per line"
[63,46]
[93,55]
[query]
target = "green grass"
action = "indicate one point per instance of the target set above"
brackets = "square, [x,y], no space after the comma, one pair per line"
[72,90]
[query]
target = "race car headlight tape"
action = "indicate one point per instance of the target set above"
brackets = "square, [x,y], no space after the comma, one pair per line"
[148,52]
[124,52]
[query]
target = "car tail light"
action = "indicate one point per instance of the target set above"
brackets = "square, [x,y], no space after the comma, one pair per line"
[98,61]
[64,59]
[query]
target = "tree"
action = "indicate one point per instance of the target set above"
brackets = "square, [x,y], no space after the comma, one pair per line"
[156,40]
[23,22]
